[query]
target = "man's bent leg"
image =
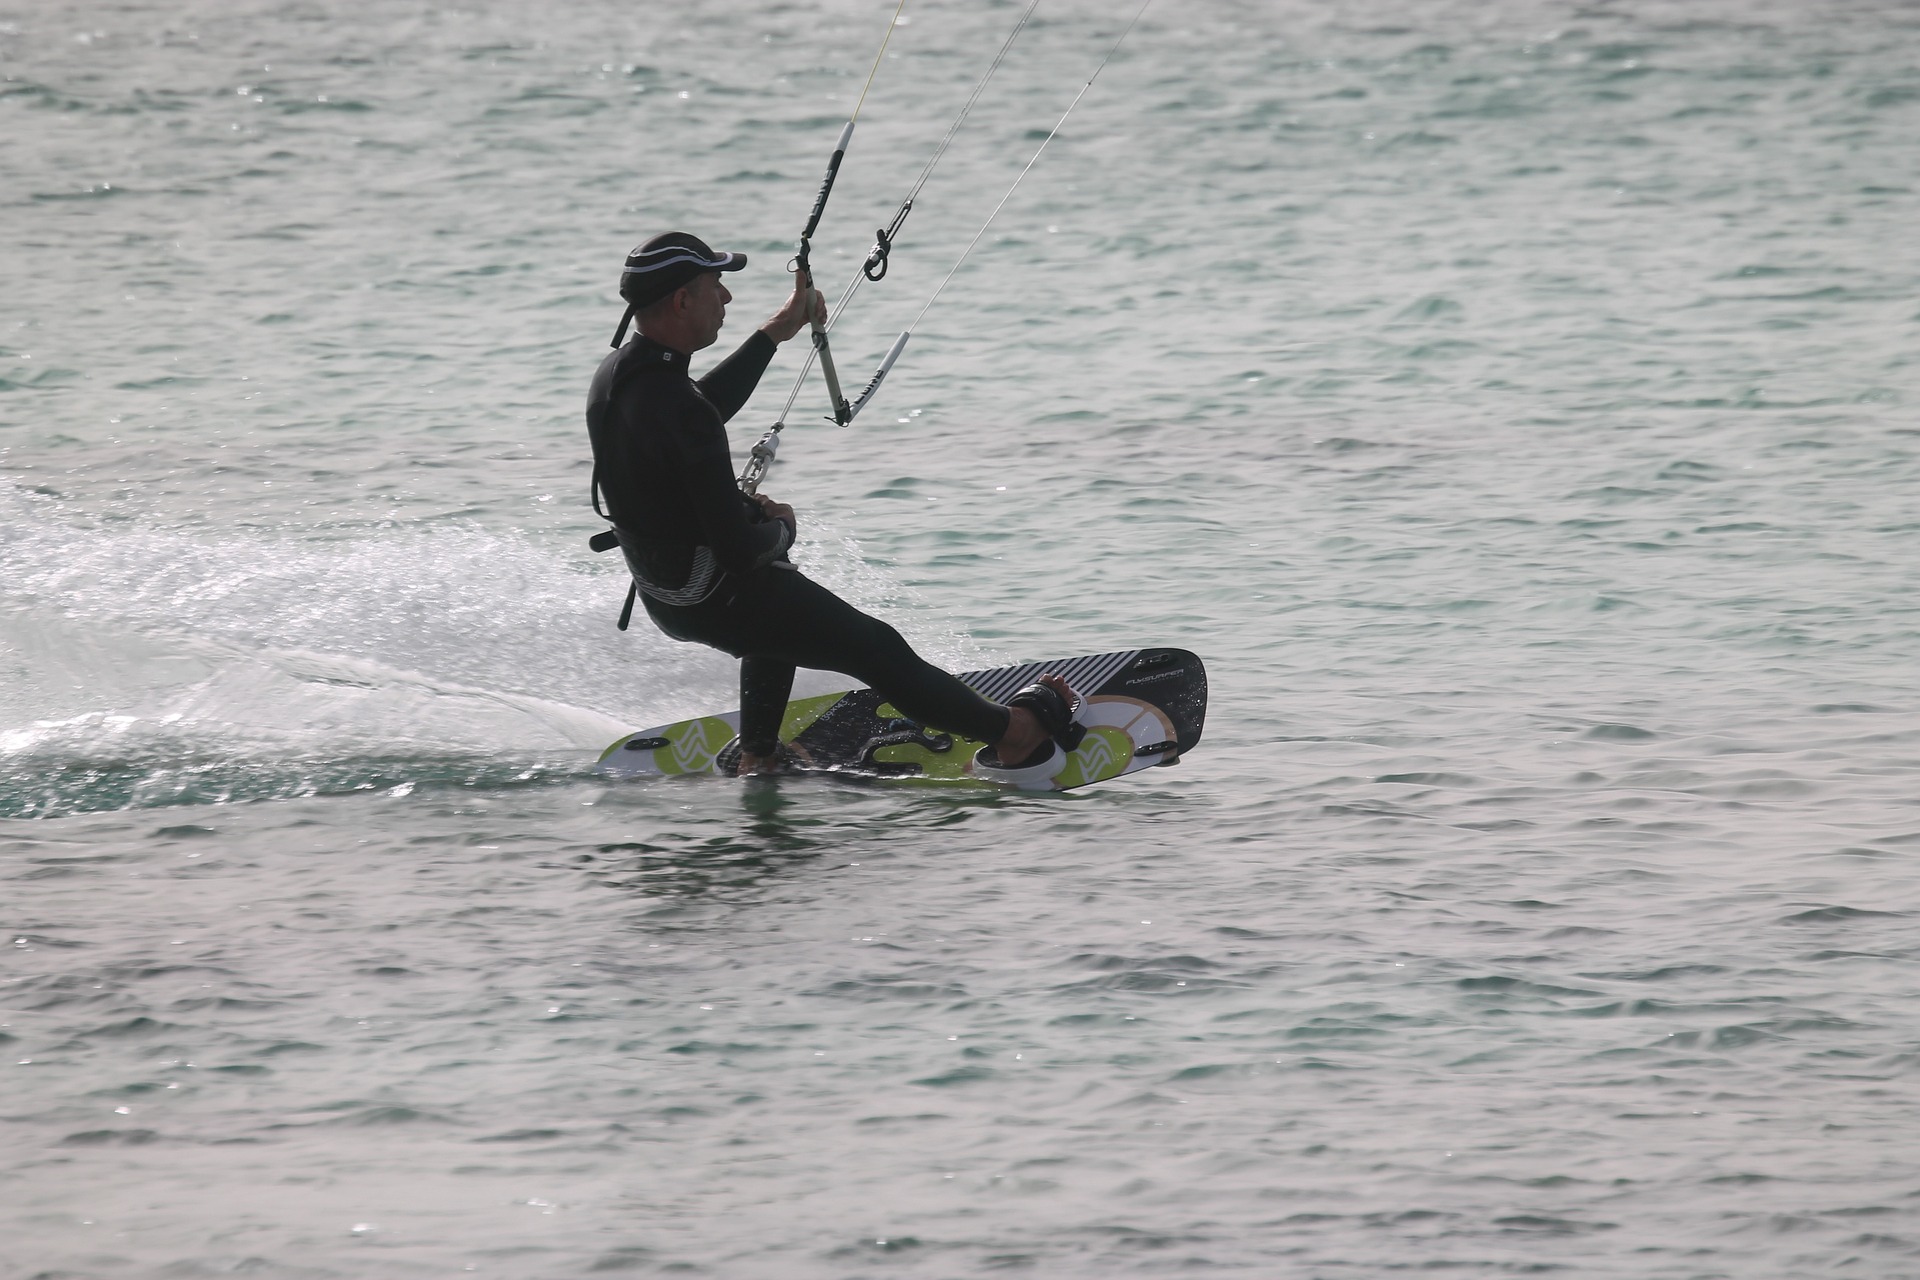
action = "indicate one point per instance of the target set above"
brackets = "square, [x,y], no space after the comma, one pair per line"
[766,683]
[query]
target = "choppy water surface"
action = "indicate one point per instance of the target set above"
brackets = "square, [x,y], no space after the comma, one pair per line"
[1513,403]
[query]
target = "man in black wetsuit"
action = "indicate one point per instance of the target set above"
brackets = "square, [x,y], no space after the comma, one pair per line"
[710,562]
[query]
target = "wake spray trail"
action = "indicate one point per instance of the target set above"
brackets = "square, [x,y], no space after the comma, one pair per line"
[148,667]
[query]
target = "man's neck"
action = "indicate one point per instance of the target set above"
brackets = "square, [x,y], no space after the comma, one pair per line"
[665,337]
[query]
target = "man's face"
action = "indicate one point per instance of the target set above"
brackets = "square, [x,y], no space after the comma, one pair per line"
[707,301]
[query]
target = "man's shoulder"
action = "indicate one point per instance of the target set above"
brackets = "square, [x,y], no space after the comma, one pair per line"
[640,356]
[635,365]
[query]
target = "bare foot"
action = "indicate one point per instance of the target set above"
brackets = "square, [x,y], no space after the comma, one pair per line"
[752,766]
[1024,730]
[786,758]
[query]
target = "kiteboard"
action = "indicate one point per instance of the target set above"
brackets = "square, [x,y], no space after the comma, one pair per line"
[1142,708]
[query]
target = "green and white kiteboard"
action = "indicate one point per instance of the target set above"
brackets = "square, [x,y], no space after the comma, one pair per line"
[1143,708]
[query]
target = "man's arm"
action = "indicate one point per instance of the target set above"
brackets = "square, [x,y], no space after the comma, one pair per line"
[705,472]
[729,383]
[733,379]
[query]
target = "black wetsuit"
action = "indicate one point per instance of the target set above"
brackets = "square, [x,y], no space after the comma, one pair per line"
[712,568]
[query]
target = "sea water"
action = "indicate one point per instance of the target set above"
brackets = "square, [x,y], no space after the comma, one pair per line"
[1513,403]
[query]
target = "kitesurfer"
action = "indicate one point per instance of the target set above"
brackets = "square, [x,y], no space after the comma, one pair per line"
[710,562]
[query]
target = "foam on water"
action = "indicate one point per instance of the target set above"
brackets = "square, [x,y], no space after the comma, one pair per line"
[155,667]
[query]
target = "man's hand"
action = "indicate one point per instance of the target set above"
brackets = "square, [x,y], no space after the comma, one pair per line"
[793,316]
[777,511]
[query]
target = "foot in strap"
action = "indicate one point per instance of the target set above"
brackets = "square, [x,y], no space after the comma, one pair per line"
[1052,704]
[1055,704]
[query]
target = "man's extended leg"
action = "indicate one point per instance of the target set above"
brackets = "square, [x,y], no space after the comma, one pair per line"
[803,623]
[781,616]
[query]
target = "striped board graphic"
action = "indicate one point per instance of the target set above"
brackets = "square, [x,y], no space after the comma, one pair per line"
[1143,708]
[1002,683]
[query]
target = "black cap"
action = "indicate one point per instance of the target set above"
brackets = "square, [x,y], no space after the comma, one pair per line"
[667,262]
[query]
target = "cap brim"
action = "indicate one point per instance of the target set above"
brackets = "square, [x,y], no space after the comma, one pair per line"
[676,260]
[667,267]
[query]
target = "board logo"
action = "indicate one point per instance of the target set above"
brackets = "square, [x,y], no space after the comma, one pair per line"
[696,748]
[1105,752]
